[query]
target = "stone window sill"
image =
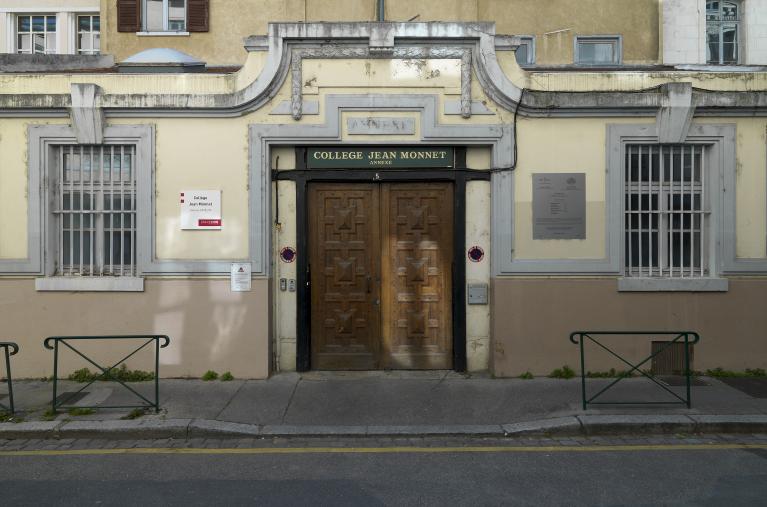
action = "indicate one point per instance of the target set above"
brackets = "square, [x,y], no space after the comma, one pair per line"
[672,284]
[162,34]
[88,284]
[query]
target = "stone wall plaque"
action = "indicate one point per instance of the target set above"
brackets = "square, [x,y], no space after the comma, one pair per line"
[559,206]
[380,126]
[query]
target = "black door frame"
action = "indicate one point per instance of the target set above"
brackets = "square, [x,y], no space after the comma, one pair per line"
[302,176]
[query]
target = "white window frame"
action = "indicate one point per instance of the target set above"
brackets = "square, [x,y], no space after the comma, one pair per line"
[165,19]
[92,33]
[721,24]
[529,42]
[47,34]
[615,40]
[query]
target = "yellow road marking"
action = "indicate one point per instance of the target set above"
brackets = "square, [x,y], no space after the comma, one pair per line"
[385,450]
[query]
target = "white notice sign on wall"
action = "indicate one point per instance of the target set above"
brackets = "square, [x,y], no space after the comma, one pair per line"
[200,209]
[240,277]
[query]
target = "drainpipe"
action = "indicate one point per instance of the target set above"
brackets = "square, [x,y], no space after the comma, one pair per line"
[381,11]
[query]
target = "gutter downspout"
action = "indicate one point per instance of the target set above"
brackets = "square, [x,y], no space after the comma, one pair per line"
[381,10]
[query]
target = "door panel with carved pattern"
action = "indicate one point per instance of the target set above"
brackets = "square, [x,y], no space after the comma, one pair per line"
[417,237]
[381,281]
[344,258]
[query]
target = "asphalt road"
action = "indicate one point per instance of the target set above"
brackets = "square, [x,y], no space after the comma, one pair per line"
[720,474]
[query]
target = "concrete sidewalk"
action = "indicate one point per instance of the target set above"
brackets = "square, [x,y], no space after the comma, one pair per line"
[383,403]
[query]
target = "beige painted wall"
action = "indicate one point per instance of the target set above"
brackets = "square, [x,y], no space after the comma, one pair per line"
[558,146]
[230,21]
[533,318]
[211,328]
[201,155]
[561,146]
[554,23]
[751,184]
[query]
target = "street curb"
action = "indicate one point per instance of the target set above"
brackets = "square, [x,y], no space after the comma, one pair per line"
[578,425]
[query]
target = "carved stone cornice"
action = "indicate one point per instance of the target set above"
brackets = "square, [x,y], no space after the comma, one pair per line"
[474,43]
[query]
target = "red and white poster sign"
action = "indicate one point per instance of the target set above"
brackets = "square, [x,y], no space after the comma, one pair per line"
[200,209]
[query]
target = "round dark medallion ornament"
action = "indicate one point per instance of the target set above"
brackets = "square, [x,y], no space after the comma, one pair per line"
[288,254]
[476,254]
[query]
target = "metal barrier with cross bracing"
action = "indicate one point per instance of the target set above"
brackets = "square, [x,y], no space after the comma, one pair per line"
[9,349]
[687,338]
[57,342]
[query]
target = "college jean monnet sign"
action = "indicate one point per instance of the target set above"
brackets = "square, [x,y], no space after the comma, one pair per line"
[362,158]
[559,206]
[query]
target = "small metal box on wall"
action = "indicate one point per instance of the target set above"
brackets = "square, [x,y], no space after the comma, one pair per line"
[477,293]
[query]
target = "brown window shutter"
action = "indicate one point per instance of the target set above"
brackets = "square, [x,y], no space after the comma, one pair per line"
[128,15]
[197,15]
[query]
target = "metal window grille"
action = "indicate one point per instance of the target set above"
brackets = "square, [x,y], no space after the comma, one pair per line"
[666,211]
[95,209]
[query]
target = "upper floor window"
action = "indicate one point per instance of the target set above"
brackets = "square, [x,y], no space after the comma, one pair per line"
[88,35]
[722,32]
[164,15]
[36,34]
[598,50]
[525,52]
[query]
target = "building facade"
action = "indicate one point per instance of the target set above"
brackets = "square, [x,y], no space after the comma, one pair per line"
[407,194]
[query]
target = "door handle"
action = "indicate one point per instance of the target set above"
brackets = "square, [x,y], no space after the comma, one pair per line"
[368,280]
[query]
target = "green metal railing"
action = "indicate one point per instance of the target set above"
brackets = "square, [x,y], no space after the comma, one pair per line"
[686,337]
[10,349]
[55,342]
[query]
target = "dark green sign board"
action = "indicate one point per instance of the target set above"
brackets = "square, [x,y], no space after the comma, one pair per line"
[383,157]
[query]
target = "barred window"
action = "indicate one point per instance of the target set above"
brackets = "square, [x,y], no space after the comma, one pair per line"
[95,210]
[666,211]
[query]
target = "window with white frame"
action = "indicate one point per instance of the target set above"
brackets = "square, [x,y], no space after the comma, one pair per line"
[598,50]
[164,15]
[88,34]
[666,211]
[36,33]
[94,208]
[525,52]
[722,32]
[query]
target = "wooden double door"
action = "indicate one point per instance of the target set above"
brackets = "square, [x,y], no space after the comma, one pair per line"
[380,263]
